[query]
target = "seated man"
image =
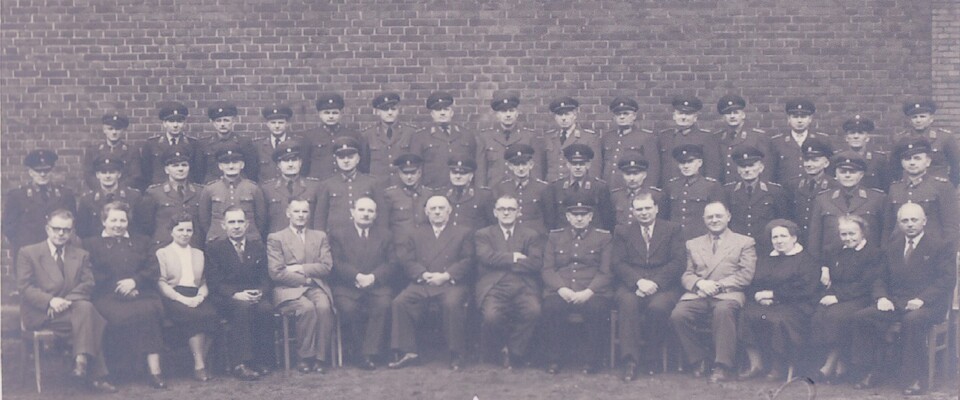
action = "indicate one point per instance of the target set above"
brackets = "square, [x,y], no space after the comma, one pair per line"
[436,258]
[299,260]
[913,292]
[576,279]
[647,261]
[55,282]
[363,277]
[510,257]
[720,265]
[239,283]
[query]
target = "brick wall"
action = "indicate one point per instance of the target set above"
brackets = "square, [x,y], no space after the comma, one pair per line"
[64,62]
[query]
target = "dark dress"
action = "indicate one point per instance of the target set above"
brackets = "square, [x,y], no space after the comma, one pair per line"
[186,321]
[852,274]
[782,325]
[133,323]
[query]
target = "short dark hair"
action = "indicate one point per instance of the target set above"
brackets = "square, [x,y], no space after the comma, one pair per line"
[791,226]
[179,218]
[61,213]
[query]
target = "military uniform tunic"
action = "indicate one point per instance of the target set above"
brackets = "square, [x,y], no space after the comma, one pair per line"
[151,159]
[337,195]
[491,167]
[786,158]
[878,173]
[945,153]
[436,146]
[616,143]
[939,201]
[731,139]
[552,164]
[384,149]
[212,144]
[322,163]
[554,211]
[686,199]
[673,137]
[277,194]
[90,206]
[578,261]
[268,168]
[823,236]
[528,194]
[26,208]
[161,202]
[221,194]
[472,206]
[403,207]
[122,151]
[804,194]
[750,212]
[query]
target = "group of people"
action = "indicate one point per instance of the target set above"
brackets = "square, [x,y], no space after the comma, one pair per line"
[776,244]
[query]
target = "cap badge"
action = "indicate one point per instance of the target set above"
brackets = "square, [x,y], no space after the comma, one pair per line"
[686,103]
[856,116]
[229,152]
[275,111]
[219,110]
[505,101]
[289,150]
[175,112]
[115,117]
[459,163]
[330,101]
[107,161]
[562,105]
[916,105]
[799,106]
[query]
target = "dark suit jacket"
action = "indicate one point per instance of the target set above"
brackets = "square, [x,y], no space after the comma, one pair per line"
[228,274]
[663,264]
[39,280]
[495,257]
[422,252]
[285,248]
[930,276]
[353,255]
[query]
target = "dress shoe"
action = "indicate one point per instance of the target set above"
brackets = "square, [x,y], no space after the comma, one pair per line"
[553,368]
[201,375]
[366,363]
[868,381]
[407,360]
[505,359]
[456,362]
[775,374]
[751,373]
[720,374]
[318,367]
[79,370]
[304,367]
[701,370]
[589,368]
[157,382]
[915,389]
[263,370]
[102,386]
[629,371]
[243,373]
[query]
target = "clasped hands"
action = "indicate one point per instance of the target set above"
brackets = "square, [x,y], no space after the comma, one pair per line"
[127,288]
[363,281]
[646,287]
[884,304]
[248,296]
[708,288]
[575,297]
[57,305]
[436,278]
[764,297]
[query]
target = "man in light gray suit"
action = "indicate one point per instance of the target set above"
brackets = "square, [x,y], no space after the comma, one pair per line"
[720,265]
[298,260]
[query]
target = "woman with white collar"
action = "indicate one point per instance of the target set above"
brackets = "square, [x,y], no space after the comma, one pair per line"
[780,300]
[184,289]
[848,277]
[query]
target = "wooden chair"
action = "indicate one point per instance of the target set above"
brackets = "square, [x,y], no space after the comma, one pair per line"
[615,342]
[36,339]
[938,341]
[286,339]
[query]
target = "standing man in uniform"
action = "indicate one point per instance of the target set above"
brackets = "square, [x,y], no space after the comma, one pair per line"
[786,149]
[934,193]
[687,132]
[472,205]
[576,279]
[494,141]
[523,187]
[720,264]
[223,117]
[944,146]
[634,174]
[552,166]
[363,280]
[647,261]
[403,203]
[278,122]
[173,117]
[290,185]
[339,191]
[437,259]
[114,146]
[735,134]
[816,160]
[177,195]
[753,201]
[232,189]
[323,139]
[26,207]
[444,139]
[690,192]
[388,138]
[578,160]
[90,205]
[850,197]
[625,139]
[856,135]
[509,258]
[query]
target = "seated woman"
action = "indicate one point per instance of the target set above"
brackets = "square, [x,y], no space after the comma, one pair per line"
[848,276]
[780,299]
[184,289]
[126,291]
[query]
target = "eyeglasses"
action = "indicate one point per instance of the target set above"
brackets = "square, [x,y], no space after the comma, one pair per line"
[60,230]
[506,209]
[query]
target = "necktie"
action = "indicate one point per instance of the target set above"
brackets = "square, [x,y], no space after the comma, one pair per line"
[909,251]
[812,186]
[445,128]
[645,232]
[181,191]
[506,235]
[847,197]
[239,246]
[563,136]
[300,235]
[59,257]
[44,193]
[749,191]
[390,132]
[716,239]
[624,129]
[506,134]
[276,142]
[290,187]
[576,185]
[366,233]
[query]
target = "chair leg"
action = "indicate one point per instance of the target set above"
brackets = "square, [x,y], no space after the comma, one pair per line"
[790,372]
[614,320]
[286,343]
[36,364]
[664,356]
[931,356]
[339,345]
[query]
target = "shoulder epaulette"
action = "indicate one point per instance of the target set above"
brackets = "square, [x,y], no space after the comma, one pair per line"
[616,189]
[154,137]
[487,188]
[269,181]
[709,179]
[822,191]
[311,178]
[654,188]
[941,179]
[674,179]
[758,130]
[556,230]
[590,131]
[730,183]
[598,179]
[944,130]
[540,180]
[601,230]
[821,134]
[528,129]
[702,130]
[394,187]
[88,193]
[877,190]
[262,139]
[779,135]
[155,185]
[646,130]
[774,184]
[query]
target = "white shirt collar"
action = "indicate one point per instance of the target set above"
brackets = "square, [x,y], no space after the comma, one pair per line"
[53,248]
[104,234]
[916,240]
[649,227]
[360,229]
[437,231]
[799,137]
[860,246]
[504,230]
[796,250]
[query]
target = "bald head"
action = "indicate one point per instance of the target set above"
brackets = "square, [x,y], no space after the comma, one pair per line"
[911,219]
[364,211]
[716,217]
[438,210]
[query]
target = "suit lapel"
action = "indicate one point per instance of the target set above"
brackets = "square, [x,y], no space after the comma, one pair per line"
[656,240]
[50,265]
[440,244]
[71,266]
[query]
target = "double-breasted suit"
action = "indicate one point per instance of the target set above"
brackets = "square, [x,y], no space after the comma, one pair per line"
[731,266]
[644,320]
[452,251]
[303,293]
